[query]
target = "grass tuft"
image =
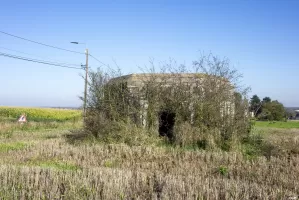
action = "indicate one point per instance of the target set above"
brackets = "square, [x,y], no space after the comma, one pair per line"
[5,147]
[53,164]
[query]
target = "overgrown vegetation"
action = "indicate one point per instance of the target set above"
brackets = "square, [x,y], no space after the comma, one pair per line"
[208,106]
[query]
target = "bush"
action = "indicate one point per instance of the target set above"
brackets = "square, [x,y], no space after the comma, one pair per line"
[255,145]
[119,132]
[208,107]
[186,135]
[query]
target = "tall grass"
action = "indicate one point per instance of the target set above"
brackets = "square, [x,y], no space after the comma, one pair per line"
[54,169]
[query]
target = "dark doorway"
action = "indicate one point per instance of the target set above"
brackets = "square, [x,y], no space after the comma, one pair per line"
[166,124]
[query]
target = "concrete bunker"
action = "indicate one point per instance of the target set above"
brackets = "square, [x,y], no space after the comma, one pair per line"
[135,103]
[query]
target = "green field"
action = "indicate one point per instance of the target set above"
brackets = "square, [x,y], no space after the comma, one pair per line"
[277,124]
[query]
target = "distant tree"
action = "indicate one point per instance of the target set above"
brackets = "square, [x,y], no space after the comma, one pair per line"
[255,105]
[266,100]
[277,111]
[265,115]
[273,110]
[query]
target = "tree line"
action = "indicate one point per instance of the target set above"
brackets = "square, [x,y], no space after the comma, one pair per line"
[267,109]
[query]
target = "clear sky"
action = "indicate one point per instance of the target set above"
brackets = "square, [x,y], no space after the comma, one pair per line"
[261,38]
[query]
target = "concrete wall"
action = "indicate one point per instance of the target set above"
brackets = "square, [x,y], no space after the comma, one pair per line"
[136,82]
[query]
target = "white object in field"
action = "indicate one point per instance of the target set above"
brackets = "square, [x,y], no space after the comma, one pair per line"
[22,118]
[292,198]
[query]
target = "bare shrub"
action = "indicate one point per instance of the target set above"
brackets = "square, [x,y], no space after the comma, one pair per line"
[207,100]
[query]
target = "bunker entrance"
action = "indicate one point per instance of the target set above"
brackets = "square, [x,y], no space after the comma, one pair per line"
[166,124]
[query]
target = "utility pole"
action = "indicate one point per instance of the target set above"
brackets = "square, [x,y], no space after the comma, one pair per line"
[86,79]
[85,89]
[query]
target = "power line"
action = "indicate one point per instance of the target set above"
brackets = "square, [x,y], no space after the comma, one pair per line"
[53,47]
[36,61]
[59,62]
[98,60]
[41,43]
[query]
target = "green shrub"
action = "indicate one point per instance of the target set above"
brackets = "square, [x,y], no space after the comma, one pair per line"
[223,170]
[119,132]
[255,145]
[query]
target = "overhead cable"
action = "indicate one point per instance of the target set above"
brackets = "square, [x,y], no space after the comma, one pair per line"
[57,61]
[41,43]
[37,61]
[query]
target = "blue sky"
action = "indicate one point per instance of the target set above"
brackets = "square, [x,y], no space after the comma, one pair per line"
[259,37]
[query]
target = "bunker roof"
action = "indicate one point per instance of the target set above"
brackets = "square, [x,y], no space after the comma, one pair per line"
[187,77]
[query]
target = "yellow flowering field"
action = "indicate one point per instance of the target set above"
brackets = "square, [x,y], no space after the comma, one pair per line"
[40,114]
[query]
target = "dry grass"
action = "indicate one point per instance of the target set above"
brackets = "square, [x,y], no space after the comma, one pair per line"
[7,129]
[43,165]
[286,141]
